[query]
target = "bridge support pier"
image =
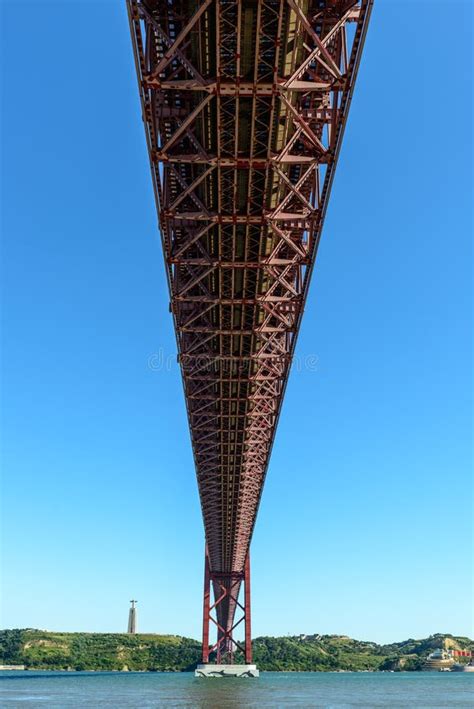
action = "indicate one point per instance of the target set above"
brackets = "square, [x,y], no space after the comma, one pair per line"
[226,594]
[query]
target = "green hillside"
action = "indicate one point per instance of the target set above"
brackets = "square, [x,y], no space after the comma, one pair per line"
[39,649]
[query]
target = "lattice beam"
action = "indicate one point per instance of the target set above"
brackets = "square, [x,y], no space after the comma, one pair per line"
[244,105]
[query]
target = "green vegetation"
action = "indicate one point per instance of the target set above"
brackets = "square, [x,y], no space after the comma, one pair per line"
[40,649]
[338,652]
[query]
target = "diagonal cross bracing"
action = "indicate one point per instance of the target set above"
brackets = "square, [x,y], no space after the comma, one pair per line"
[244,105]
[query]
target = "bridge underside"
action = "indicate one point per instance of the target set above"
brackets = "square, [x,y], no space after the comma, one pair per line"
[244,105]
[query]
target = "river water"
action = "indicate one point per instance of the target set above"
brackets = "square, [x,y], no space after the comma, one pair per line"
[59,690]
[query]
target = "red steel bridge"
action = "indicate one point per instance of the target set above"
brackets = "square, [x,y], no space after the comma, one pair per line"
[244,106]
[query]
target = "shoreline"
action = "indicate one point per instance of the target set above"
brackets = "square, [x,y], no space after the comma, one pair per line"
[41,650]
[190,672]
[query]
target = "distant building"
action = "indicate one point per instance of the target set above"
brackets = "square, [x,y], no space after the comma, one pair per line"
[132,618]
[438,660]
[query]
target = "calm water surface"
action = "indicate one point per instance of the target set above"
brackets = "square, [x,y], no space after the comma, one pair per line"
[273,689]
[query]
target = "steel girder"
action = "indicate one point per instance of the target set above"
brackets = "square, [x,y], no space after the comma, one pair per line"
[244,106]
[226,591]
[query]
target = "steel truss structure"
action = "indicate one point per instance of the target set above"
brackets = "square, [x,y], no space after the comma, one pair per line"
[244,106]
[226,589]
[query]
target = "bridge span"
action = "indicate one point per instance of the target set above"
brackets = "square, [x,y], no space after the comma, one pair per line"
[244,106]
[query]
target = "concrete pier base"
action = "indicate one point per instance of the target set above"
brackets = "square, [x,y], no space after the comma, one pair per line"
[210,670]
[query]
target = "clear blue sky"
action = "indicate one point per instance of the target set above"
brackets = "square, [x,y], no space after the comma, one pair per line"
[364,528]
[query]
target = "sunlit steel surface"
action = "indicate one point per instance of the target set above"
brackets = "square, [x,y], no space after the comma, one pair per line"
[244,106]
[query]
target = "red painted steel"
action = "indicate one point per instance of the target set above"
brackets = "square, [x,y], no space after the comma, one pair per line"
[226,588]
[244,106]
[205,610]
[248,614]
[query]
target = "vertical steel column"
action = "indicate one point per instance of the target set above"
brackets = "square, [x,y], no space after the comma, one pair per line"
[205,610]
[248,624]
